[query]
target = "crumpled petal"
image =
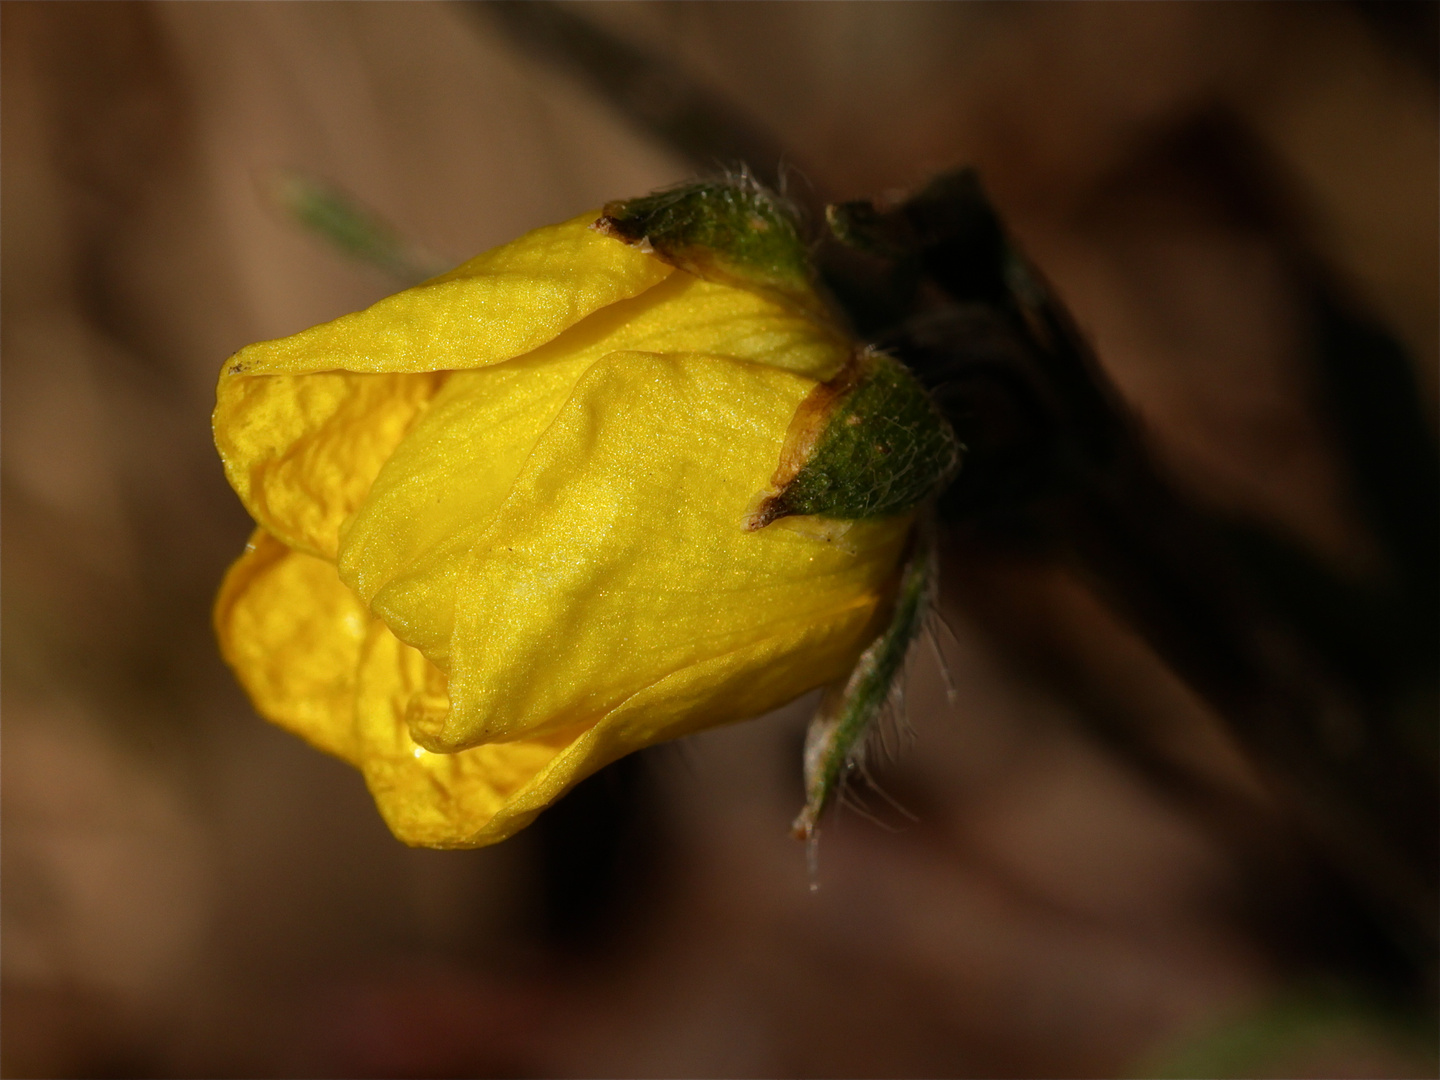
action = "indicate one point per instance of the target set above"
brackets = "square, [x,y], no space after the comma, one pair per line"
[302,451]
[293,634]
[304,423]
[440,800]
[618,556]
[315,662]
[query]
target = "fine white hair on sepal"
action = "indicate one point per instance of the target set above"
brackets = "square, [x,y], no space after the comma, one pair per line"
[874,785]
[933,620]
[870,707]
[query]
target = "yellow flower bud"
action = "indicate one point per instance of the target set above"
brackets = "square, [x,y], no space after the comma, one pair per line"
[503,526]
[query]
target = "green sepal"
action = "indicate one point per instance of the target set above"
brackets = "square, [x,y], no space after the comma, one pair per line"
[734,232]
[835,741]
[869,444]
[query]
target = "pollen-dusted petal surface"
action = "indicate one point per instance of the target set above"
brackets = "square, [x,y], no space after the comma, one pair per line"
[438,492]
[293,634]
[618,556]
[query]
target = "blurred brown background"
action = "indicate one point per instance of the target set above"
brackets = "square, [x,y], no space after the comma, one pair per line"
[189,892]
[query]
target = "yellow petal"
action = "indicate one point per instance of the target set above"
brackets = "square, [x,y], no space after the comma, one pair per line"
[688,314]
[442,486]
[308,652]
[487,793]
[315,663]
[433,800]
[293,634]
[618,556]
[496,306]
[304,423]
[302,450]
